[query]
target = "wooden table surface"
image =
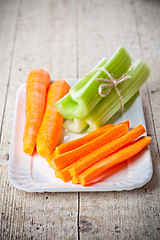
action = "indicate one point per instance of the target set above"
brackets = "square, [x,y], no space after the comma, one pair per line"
[67,38]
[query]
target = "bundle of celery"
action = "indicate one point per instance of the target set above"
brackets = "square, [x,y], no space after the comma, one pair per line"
[85,108]
[83,96]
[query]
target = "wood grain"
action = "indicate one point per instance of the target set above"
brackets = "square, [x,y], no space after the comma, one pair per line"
[66,38]
[124,215]
[38,44]
[8,26]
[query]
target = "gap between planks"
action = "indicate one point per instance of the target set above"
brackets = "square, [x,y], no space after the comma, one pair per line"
[148,92]
[10,67]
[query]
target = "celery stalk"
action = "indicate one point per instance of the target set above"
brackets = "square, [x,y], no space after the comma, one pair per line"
[86,97]
[109,105]
[74,91]
[75,125]
[66,106]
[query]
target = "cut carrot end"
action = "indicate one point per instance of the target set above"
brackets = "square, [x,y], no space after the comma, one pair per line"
[56,153]
[56,174]
[82,181]
[66,178]
[75,179]
[126,122]
[72,172]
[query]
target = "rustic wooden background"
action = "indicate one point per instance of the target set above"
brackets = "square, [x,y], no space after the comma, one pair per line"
[67,37]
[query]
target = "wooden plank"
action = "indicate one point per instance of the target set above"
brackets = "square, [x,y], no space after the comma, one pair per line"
[8,21]
[46,37]
[149,34]
[117,215]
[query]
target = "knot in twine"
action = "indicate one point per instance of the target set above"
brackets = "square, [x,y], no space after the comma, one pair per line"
[112,83]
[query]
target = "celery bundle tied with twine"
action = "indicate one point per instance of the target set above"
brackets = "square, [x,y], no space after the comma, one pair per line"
[108,102]
[84,96]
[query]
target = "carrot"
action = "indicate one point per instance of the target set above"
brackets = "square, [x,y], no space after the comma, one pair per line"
[75,179]
[106,150]
[125,122]
[56,174]
[51,127]
[49,160]
[118,157]
[70,157]
[68,146]
[36,90]
[64,174]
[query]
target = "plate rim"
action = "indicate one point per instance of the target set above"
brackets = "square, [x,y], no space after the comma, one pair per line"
[34,186]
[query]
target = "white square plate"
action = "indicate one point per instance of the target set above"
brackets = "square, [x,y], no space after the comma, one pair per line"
[33,174]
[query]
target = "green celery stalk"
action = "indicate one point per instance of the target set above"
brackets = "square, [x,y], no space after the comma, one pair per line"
[75,90]
[109,105]
[86,97]
[75,125]
[66,106]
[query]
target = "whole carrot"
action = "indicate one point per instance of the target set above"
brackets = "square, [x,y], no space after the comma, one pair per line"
[68,158]
[120,156]
[51,127]
[36,90]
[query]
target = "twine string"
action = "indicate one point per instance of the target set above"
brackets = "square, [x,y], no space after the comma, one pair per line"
[111,83]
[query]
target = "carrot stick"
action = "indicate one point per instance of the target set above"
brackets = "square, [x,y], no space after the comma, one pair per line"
[49,160]
[64,174]
[70,157]
[118,157]
[125,122]
[56,174]
[36,90]
[68,146]
[75,179]
[106,150]
[51,127]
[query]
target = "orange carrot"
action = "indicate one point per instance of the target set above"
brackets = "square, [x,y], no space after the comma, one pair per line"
[68,146]
[75,179]
[70,157]
[106,150]
[118,157]
[125,122]
[56,173]
[36,90]
[51,127]
[49,160]
[64,174]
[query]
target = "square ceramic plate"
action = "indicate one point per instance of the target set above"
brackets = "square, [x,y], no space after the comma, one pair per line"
[32,173]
